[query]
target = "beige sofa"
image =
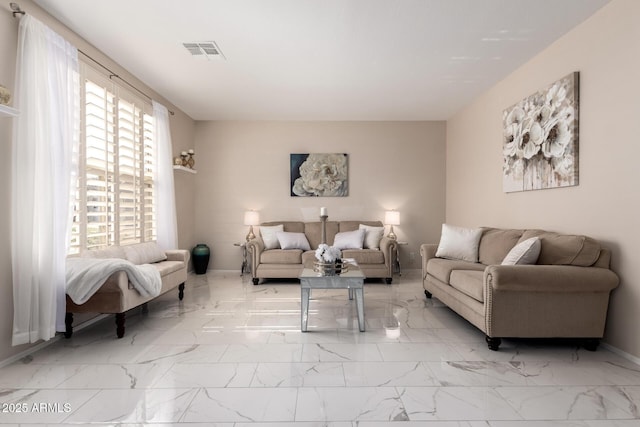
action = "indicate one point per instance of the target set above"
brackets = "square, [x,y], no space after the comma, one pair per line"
[117,295]
[288,263]
[564,295]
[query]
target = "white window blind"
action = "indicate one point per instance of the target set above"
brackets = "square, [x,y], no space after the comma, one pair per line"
[114,202]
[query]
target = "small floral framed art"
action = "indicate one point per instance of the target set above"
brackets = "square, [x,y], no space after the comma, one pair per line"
[319,175]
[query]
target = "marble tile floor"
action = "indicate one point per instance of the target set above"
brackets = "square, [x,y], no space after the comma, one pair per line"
[232,355]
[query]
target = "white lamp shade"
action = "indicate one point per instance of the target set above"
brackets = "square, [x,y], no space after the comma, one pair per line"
[251,218]
[392,218]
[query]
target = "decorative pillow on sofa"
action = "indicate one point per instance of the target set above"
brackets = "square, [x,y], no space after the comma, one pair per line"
[110,252]
[144,253]
[525,252]
[293,240]
[269,235]
[372,236]
[349,239]
[459,243]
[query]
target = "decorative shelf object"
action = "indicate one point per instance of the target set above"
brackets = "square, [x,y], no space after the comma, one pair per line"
[7,111]
[185,169]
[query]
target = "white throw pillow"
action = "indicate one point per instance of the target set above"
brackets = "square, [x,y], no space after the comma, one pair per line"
[110,252]
[269,235]
[459,243]
[293,240]
[372,236]
[144,253]
[349,240]
[525,252]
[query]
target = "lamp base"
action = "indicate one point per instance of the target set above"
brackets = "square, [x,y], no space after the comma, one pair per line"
[391,234]
[250,235]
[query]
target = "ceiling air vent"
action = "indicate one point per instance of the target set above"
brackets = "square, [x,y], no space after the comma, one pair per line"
[204,50]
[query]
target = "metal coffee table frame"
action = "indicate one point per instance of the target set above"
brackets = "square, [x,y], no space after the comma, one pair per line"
[353,280]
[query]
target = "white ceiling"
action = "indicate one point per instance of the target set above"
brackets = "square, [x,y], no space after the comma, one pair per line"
[322,59]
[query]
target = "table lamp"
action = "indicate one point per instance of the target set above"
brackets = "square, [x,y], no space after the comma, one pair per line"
[392,218]
[251,218]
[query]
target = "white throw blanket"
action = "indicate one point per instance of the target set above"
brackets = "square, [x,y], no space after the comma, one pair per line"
[86,275]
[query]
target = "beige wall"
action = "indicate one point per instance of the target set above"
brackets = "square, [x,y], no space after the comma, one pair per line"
[605,205]
[182,131]
[245,165]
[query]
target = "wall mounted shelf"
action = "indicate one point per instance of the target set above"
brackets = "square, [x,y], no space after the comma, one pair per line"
[7,111]
[184,169]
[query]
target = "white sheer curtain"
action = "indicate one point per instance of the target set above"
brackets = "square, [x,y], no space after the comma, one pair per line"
[44,158]
[167,234]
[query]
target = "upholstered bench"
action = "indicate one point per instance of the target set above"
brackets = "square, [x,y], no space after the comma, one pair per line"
[117,295]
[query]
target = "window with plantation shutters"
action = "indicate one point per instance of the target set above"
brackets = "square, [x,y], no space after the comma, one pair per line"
[114,201]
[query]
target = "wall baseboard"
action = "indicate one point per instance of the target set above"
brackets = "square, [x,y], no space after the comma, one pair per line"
[623,354]
[43,344]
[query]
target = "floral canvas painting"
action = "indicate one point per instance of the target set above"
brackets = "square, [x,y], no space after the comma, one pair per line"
[319,175]
[540,146]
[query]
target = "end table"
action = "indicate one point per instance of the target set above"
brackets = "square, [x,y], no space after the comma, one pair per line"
[396,266]
[245,260]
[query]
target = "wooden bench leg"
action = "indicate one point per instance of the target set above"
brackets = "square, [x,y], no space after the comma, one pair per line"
[181,291]
[68,323]
[120,325]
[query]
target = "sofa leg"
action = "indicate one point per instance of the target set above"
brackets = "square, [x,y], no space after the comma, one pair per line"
[493,343]
[181,291]
[388,280]
[120,325]
[255,281]
[68,323]
[428,294]
[591,344]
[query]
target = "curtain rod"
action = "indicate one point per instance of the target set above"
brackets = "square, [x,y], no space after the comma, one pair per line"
[15,9]
[112,75]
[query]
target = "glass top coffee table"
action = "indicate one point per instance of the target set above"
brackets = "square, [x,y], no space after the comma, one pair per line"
[353,280]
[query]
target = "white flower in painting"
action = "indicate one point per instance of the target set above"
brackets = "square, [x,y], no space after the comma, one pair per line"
[322,175]
[537,135]
[513,130]
[515,116]
[544,114]
[557,94]
[558,138]
[529,148]
[567,114]
[512,140]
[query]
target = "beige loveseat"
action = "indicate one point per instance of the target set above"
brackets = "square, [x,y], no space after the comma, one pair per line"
[288,263]
[117,294]
[565,294]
